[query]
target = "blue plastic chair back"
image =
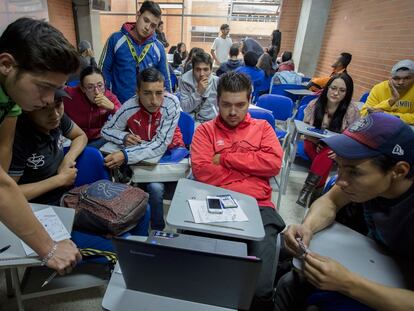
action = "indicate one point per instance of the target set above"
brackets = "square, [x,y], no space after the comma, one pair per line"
[174,80]
[280,106]
[73,83]
[90,165]
[300,114]
[330,183]
[364,97]
[307,99]
[187,125]
[264,115]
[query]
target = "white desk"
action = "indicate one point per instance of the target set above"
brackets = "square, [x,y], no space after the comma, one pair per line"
[300,92]
[16,257]
[118,297]
[303,128]
[150,170]
[361,255]
[180,217]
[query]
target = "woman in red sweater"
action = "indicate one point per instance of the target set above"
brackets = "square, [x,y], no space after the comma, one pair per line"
[91,104]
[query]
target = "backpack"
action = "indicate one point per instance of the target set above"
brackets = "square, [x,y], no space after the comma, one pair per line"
[287,77]
[106,208]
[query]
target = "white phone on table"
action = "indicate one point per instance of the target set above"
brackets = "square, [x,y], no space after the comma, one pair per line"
[214,205]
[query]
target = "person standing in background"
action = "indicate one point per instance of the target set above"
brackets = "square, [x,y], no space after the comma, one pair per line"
[221,46]
[276,40]
[131,50]
[161,35]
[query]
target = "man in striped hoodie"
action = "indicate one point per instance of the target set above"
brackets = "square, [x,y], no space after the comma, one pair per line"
[146,126]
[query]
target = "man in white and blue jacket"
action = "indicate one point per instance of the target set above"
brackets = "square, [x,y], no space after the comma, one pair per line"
[135,44]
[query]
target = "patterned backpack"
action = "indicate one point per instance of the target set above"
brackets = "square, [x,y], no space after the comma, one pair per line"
[106,208]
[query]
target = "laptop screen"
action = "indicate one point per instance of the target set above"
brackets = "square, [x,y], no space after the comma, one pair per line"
[213,279]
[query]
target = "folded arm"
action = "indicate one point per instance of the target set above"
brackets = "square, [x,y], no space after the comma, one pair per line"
[265,162]
[79,141]
[202,153]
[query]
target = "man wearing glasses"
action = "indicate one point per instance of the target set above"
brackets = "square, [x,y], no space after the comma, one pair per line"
[396,95]
[91,105]
[35,60]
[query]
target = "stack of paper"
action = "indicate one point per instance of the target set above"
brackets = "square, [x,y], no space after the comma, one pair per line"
[201,214]
[53,225]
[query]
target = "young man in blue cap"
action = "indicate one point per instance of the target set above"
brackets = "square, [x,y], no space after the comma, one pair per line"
[375,157]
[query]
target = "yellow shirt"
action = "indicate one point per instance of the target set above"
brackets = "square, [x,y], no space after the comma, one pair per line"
[379,96]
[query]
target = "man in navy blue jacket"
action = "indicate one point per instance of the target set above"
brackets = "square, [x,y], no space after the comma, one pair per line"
[133,49]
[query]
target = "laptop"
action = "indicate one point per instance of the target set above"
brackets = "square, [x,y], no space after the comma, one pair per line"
[198,243]
[193,275]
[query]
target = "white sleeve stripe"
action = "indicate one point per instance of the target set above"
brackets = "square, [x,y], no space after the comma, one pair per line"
[119,43]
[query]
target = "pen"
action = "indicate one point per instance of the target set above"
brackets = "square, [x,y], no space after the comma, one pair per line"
[49,279]
[4,248]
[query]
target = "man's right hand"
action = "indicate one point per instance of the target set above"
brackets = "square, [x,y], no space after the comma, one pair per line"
[202,85]
[132,140]
[292,233]
[395,96]
[65,257]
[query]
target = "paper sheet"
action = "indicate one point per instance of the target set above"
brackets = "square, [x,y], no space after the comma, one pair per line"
[201,214]
[53,225]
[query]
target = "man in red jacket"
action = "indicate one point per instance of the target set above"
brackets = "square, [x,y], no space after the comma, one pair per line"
[236,152]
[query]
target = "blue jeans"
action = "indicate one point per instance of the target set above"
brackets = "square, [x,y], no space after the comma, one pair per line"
[97,143]
[156,196]
[90,240]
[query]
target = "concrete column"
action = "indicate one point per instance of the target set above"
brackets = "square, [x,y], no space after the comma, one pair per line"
[88,25]
[309,36]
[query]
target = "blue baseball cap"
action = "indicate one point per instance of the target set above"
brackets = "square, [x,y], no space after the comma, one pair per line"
[376,134]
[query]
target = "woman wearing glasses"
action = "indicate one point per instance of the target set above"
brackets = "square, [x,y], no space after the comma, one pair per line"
[332,110]
[91,104]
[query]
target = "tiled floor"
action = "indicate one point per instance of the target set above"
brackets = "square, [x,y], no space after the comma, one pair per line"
[91,299]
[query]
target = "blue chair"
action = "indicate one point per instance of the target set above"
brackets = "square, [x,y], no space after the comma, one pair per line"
[300,150]
[306,79]
[307,99]
[330,184]
[187,126]
[364,97]
[90,165]
[73,83]
[264,115]
[279,89]
[300,114]
[281,108]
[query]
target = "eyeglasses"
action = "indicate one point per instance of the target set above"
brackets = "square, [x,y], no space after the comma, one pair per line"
[337,89]
[92,87]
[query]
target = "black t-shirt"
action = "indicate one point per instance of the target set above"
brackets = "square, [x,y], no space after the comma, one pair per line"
[391,223]
[36,155]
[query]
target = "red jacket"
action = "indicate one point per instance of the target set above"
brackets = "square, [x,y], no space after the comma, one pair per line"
[145,124]
[250,155]
[88,116]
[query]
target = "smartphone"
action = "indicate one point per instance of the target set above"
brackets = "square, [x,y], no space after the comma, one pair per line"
[227,201]
[214,205]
